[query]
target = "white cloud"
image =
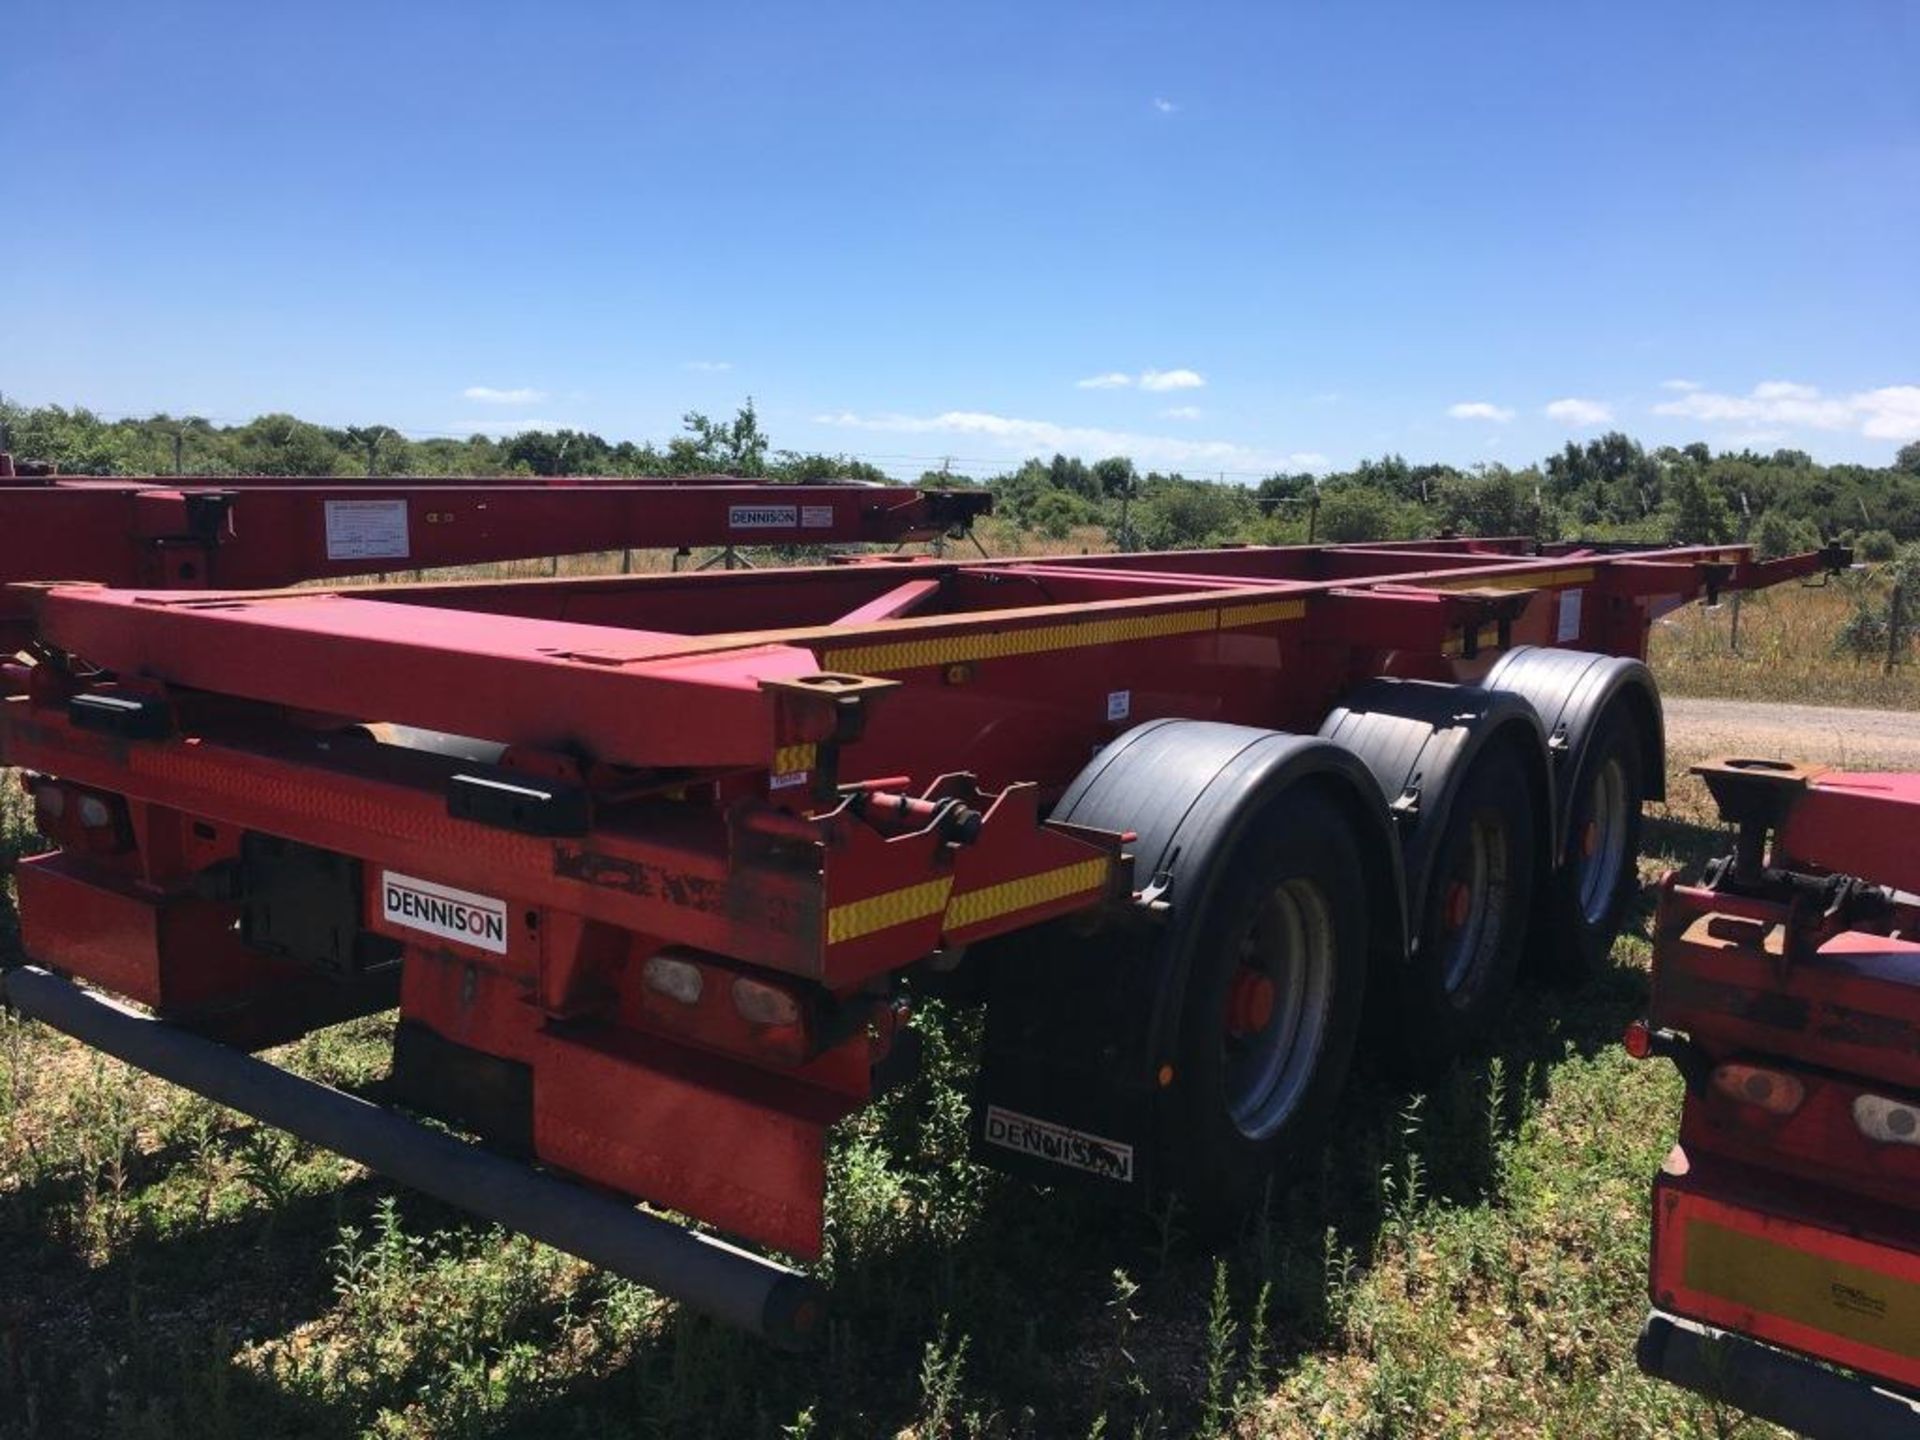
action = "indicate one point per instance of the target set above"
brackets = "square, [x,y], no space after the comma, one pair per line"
[1017,436]
[1306,460]
[1578,413]
[1183,412]
[488,395]
[1681,385]
[1480,410]
[1171,380]
[1891,412]
[1146,380]
[1165,107]
[707,367]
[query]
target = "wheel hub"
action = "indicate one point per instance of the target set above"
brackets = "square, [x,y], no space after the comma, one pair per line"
[1249,1003]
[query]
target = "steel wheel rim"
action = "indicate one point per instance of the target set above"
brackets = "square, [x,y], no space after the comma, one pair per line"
[1469,948]
[1290,941]
[1603,847]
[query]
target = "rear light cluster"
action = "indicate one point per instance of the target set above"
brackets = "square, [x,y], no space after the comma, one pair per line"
[75,817]
[706,1001]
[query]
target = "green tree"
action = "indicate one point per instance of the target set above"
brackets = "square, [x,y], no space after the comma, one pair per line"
[729,447]
[1696,513]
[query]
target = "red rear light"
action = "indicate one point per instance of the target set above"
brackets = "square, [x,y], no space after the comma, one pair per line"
[1773,1091]
[1638,1040]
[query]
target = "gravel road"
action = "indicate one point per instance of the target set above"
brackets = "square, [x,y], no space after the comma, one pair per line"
[1821,734]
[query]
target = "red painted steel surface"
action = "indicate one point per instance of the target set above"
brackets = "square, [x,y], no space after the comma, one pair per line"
[1783,1215]
[796,783]
[253,532]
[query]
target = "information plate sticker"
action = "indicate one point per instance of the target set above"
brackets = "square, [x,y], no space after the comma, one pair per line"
[763,517]
[816,517]
[367,530]
[460,915]
[1119,704]
[1569,626]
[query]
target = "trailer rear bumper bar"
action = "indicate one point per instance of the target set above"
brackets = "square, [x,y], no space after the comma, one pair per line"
[731,1285]
[1774,1385]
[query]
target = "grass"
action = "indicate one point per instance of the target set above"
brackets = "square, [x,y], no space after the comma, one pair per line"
[1787,649]
[1465,1261]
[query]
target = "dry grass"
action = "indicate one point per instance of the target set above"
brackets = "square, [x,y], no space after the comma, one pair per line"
[1787,650]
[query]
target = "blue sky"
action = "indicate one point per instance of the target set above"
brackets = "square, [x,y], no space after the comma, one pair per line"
[1225,238]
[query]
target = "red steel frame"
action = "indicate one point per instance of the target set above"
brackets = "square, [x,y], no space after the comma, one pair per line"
[251,532]
[801,780]
[1794,1225]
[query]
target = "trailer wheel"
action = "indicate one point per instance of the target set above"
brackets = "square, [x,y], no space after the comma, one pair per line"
[1472,928]
[1272,1007]
[1200,1038]
[1598,873]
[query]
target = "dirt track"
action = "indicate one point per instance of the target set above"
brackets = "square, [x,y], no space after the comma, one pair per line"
[1827,735]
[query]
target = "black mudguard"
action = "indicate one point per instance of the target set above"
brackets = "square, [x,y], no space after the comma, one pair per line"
[1420,739]
[1571,690]
[1079,1024]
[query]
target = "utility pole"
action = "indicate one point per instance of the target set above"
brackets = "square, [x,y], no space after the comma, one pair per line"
[179,439]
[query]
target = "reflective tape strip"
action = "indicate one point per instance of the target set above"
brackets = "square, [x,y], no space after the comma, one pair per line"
[789,759]
[1234,617]
[1040,639]
[992,901]
[885,910]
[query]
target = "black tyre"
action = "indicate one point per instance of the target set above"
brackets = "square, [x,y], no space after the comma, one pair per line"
[1272,1006]
[1472,926]
[1598,874]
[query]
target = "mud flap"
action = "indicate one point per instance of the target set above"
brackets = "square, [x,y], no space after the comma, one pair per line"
[1066,1088]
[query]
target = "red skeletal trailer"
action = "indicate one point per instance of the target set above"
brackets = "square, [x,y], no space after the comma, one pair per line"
[655,865]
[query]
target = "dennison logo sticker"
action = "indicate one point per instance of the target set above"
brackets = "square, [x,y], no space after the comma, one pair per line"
[763,517]
[1045,1140]
[461,915]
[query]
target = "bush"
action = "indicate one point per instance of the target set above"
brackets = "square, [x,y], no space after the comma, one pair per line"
[1055,513]
[1876,546]
[1356,512]
[1779,534]
[1177,514]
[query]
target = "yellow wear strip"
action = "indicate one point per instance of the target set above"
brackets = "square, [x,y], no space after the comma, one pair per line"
[1040,639]
[1539,580]
[890,908]
[993,901]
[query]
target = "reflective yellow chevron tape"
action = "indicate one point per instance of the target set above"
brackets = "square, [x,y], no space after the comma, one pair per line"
[1234,617]
[791,758]
[993,901]
[890,908]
